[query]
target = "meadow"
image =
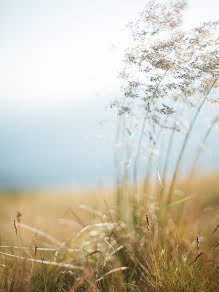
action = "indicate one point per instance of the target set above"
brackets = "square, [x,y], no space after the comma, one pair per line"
[156,229]
[84,241]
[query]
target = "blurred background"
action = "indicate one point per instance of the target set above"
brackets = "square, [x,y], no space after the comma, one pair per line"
[59,63]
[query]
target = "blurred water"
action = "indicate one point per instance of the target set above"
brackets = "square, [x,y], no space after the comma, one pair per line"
[54,148]
[63,147]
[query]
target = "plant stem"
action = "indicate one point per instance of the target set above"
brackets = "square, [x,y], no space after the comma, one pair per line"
[215,120]
[184,145]
[138,152]
[195,164]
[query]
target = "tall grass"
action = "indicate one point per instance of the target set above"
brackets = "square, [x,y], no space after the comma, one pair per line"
[109,253]
[154,234]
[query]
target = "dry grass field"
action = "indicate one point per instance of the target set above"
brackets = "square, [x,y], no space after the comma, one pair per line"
[156,229]
[84,241]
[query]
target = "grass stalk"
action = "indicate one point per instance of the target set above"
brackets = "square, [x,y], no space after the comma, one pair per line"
[178,164]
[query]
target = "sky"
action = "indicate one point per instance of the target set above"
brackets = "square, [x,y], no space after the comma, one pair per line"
[59,62]
[58,52]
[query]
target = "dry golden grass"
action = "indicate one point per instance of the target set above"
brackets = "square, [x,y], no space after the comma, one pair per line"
[164,248]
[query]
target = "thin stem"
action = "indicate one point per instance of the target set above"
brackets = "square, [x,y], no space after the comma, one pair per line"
[117,166]
[198,153]
[166,164]
[138,151]
[169,148]
[184,145]
[150,158]
[215,120]
[142,133]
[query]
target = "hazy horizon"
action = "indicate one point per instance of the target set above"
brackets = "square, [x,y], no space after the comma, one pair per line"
[59,66]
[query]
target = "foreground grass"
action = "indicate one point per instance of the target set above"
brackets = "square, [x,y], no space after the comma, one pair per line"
[99,246]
